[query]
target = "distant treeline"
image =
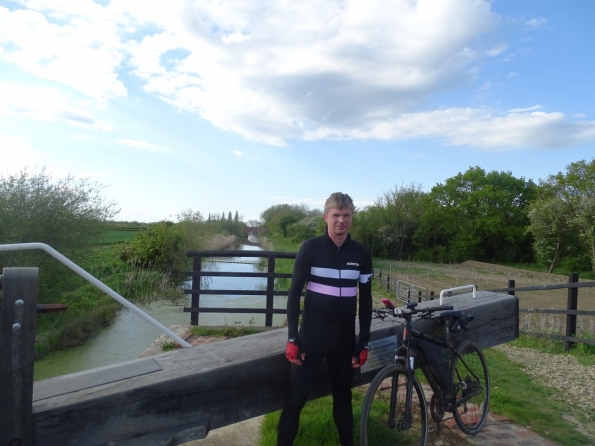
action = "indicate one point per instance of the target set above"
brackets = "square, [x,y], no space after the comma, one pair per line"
[476,215]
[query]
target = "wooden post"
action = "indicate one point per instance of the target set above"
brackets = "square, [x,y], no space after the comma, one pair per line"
[17,346]
[511,284]
[270,291]
[419,296]
[196,267]
[388,282]
[571,305]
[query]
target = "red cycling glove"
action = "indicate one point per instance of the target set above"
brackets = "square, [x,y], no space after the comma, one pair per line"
[363,357]
[360,353]
[292,351]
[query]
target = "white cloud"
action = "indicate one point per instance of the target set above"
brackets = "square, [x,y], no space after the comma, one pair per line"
[522,110]
[481,129]
[278,71]
[141,145]
[497,50]
[17,154]
[275,72]
[536,22]
[46,104]
[238,153]
[80,49]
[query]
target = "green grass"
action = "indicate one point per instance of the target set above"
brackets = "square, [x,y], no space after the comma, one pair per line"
[231,331]
[316,424]
[114,236]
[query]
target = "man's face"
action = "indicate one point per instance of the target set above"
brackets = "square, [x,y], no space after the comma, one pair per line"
[338,221]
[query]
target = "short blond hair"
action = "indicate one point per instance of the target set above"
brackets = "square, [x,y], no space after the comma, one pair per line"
[338,200]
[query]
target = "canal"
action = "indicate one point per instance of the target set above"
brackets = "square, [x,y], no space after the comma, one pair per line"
[130,335]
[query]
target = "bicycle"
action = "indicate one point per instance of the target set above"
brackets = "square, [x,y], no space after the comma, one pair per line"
[394,410]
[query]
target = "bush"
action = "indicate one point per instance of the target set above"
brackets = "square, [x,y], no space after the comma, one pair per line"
[160,246]
[66,213]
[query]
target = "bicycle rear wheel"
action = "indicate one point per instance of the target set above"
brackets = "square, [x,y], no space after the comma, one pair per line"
[471,387]
[383,412]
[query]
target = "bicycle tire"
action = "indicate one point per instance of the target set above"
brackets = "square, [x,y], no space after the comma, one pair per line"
[470,380]
[377,427]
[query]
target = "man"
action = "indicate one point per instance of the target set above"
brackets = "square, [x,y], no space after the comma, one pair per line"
[332,265]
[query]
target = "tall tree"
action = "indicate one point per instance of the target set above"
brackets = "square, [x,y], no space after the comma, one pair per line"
[489,214]
[585,221]
[551,226]
[402,209]
[576,189]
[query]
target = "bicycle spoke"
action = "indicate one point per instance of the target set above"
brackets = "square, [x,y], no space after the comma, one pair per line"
[472,388]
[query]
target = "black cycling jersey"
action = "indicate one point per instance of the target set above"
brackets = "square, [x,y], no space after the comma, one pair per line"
[332,274]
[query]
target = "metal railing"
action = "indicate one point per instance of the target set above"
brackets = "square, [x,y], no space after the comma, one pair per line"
[406,292]
[85,275]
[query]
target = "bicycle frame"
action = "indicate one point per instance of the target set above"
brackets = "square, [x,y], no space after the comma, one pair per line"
[410,352]
[414,352]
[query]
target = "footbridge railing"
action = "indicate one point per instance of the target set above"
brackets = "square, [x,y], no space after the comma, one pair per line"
[103,287]
[268,293]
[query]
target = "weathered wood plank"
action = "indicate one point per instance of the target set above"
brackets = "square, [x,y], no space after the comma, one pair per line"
[216,384]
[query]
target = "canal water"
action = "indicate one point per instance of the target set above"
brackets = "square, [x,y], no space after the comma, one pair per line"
[130,335]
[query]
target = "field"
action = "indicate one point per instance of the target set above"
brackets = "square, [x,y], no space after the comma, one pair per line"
[436,277]
[114,236]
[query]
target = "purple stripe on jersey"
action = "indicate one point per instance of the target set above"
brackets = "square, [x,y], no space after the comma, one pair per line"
[332,290]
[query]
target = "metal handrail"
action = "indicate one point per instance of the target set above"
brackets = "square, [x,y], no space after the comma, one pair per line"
[456,289]
[84,274]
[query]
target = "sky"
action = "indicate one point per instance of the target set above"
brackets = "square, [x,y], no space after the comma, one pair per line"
[235,106]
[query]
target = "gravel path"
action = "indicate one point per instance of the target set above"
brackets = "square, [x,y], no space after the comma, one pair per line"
[574,384]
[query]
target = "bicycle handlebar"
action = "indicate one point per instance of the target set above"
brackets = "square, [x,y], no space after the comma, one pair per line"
[400,312]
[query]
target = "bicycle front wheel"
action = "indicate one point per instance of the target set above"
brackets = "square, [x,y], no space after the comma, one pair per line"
[383,418]
[471,387]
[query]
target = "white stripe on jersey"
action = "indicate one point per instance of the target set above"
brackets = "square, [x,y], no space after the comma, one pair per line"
[364,278]
[331,273]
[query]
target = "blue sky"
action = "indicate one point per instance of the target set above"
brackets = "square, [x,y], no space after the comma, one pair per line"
[225,106]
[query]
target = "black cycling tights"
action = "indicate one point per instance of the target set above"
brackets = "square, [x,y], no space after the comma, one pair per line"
[336,344]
